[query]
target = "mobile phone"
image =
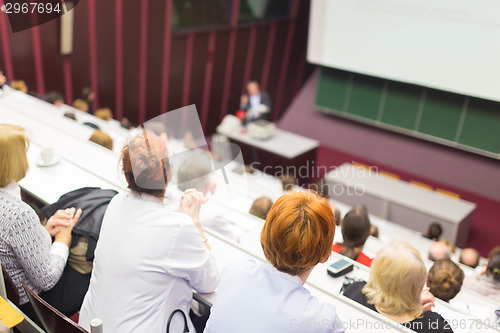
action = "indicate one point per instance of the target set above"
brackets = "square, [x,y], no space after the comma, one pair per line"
[339,268]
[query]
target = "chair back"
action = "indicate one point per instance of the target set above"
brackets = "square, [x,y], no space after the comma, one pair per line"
[10,288]
[52,320]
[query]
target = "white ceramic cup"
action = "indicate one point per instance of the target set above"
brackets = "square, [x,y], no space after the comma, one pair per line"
[47,155]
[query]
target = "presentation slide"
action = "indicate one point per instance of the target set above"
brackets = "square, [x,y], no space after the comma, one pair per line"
[451,45]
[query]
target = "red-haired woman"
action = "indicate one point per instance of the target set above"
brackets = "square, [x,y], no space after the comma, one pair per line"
[270,297]
[148,259]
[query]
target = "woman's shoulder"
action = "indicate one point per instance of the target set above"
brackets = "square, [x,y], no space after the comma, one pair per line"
[14,209]
[354,292]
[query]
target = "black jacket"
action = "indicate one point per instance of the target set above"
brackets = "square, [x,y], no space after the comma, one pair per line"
[93,201]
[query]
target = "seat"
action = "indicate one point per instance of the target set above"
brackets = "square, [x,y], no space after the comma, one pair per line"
[52,320]
[448,193]
[389,175]
[10,288]
[421,185]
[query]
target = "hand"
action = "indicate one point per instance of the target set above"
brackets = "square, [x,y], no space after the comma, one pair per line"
[60,219]
[427,299]
[191,203]
[64,234]
[244,100]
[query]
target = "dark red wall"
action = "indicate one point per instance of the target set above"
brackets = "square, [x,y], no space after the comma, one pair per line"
[138,67]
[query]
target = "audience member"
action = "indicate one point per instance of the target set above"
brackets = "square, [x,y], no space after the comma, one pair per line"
[196,172]
[55,98]
[269,297]
[70,115]
[19,85]
[494,250]
[125,123]
[104,114]
[3,79]
[434,231]
[469,257]
[439,251]
[323,188]
[261,207]
[449,244]
[487,282]
[338,222]
[88,96]
[81,104]
[445,279]
[395,289]
[26,249]
[255,102]
[102,139]
[149,258]
[374,231]
[355,230]
[288,183]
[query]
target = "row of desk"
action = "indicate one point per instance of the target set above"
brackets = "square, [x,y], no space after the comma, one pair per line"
[86,164]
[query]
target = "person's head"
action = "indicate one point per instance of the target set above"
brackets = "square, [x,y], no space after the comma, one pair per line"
[355,231]
[469,257]
[439,251]
[261,207]
[70,115]
[493,266]
[88,94]
[397,277]
[81,104]
[104,114]
[374,231]
[288,182]
[338,216]
[55,98]
[494,250]
[323,188]
[445,279]
[449,244]
[13,146]
[196,172]
[253,88]
[145,164]
[298,232]
[19,85]
[102,139]
[3,78]
[434,231]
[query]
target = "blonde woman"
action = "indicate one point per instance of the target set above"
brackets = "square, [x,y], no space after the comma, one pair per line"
[396,289]
[26,249]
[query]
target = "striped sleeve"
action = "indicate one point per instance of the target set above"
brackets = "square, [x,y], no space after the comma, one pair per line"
[42,262]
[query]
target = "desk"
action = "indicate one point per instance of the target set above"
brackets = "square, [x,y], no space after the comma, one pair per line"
[400,202]
[35,108]
[87,155]
[274,155]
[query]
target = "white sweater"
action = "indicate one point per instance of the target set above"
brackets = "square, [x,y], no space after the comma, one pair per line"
[147,262]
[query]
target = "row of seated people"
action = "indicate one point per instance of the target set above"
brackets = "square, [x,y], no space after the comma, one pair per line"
[150,256]
[82,103]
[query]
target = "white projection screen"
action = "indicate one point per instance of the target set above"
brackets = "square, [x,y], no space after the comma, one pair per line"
[451,45]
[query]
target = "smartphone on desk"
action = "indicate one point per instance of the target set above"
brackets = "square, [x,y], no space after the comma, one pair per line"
[339,268]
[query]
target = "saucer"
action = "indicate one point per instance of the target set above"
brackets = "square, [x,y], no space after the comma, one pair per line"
[54,161]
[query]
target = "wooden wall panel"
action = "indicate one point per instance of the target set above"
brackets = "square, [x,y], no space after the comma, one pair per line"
[107,49]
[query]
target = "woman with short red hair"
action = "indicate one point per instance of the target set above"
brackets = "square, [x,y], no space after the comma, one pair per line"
[270,297]
[148,258]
